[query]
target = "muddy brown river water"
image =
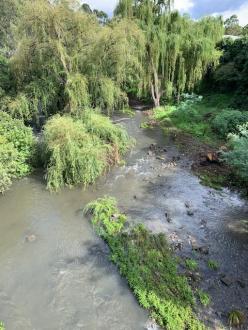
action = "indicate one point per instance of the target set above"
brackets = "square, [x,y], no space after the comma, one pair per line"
[55,273]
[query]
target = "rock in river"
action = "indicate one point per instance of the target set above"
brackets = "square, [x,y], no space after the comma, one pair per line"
[30,238]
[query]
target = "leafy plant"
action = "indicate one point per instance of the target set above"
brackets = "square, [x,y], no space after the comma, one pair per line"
[106,218]
[227,121]
[146,261]
[237,157]
[17,149]
[2,327]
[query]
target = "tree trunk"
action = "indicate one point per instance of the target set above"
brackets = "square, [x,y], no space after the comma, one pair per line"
[155,96]
[155,88]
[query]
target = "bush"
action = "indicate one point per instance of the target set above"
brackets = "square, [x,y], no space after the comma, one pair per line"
[17,146]
[237,157]
[80,150]
[146,261]
[228,121]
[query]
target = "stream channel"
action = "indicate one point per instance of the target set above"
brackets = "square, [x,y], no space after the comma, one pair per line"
[55,272]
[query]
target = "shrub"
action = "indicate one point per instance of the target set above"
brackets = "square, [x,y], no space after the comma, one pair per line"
[80,150]
[237,157]
[17,146]
[2,327]
[146,261]
[228,121]
[18,107]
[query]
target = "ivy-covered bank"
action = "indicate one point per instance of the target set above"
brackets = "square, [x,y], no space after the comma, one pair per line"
[146,261]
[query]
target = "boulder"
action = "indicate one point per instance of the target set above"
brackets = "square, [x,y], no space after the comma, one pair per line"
[202,249]
[227,280]
[190,213]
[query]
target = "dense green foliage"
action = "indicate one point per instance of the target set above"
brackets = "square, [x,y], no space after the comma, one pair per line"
[232,74]
[2,326]
[178,50]
[227,121]
[146,261]
[238,155]
[80,150]
[17,147]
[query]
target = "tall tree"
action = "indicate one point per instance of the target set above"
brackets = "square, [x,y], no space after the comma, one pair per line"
[232,26]
[178,49]
[66,61]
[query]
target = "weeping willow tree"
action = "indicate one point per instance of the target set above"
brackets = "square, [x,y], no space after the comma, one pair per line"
[53,40]
[178,49]
[115,63]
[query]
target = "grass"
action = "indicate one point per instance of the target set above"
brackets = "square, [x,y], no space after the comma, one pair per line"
[204,298]
[191,264]
[212,264]
[213,180]
[146,261]
[236,318]
[194,118]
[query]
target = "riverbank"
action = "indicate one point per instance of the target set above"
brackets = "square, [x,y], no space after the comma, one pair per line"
[199,126]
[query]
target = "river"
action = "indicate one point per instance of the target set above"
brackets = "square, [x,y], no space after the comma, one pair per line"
[55,273]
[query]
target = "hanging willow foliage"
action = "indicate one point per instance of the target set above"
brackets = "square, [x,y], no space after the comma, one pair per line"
[78,151]
[76,89]
[66,60]
[178,49]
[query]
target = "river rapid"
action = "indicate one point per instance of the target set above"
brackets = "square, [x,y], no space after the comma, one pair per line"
[55,273]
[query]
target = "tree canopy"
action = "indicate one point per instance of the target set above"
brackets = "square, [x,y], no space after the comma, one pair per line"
[232,26]
[178,50]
